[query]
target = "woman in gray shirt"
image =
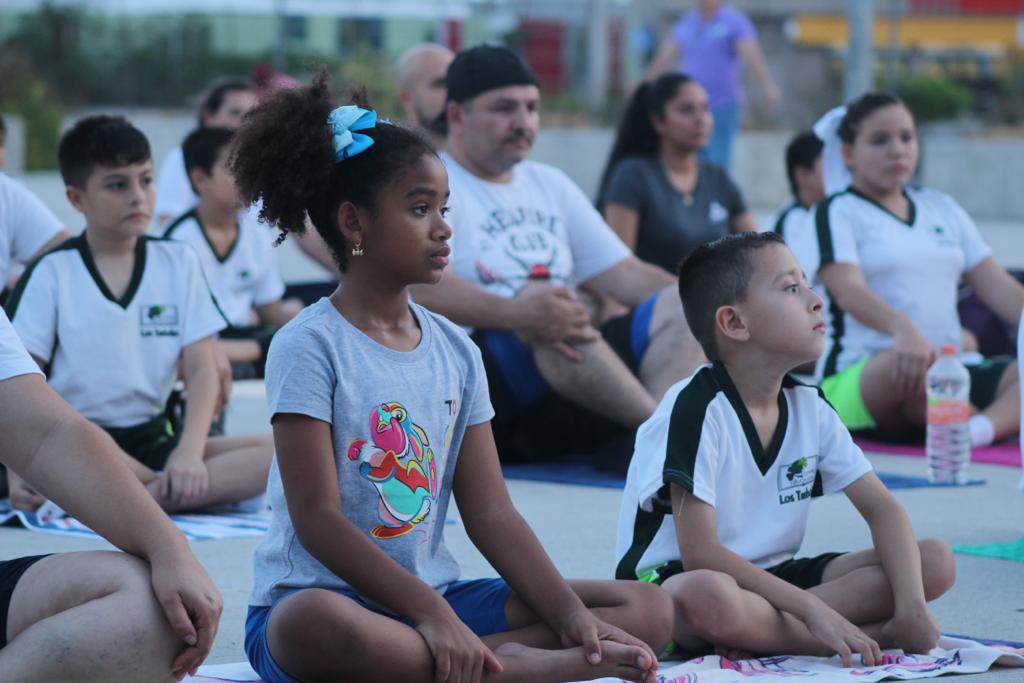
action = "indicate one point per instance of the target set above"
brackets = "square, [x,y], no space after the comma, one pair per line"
[656,192]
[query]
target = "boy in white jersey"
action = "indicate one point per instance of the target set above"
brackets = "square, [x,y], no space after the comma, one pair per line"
[237,254]
[723,474]
[111,313]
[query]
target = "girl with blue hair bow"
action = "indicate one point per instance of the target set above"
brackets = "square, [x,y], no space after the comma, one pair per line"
[380,412]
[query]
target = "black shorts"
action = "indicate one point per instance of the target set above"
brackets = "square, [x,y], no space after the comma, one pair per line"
[985,377]
[804,572]
[151,443]
[10,574]
[532,422]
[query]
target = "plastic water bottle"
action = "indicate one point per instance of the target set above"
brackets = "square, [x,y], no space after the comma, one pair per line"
[948,440]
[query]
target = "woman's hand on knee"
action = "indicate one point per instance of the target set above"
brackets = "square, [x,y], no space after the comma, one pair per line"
[914,355]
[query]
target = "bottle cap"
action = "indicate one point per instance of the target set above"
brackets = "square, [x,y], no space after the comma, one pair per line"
[948,350]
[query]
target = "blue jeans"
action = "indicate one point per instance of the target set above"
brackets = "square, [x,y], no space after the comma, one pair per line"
[727,124]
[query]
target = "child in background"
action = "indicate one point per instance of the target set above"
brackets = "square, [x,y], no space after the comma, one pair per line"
[892,257]
[223,105]
[380,412]
[237,254]
[723,474]
[111,313]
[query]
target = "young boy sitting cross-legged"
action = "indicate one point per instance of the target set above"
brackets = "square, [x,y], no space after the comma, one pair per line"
[110,313]
[236,253]
[723,474]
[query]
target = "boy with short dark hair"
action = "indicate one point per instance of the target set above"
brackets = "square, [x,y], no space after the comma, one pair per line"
[112,312]
[723,474]
[237,254]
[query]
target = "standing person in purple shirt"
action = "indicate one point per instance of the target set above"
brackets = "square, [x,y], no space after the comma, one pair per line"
[708,43]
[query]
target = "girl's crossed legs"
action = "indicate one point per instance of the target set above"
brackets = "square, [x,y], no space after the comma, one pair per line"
[318,634]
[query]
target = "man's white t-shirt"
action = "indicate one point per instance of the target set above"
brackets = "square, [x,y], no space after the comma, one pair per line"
[915,266]
[26,224]
[114,360]
[246,276]
[14,360]
[702,438]
[539,225]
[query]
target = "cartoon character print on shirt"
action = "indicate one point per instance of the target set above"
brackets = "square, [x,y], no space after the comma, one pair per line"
[522,244]
[399,462]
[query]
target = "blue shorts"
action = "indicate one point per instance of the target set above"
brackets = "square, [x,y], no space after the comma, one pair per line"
[479,603]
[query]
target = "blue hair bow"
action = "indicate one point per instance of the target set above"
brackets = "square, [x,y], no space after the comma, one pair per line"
[345,120]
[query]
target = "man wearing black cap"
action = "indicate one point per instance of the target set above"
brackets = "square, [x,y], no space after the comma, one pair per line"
[525,237]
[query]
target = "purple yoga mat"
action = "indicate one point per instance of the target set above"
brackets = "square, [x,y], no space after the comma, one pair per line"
[1007,454]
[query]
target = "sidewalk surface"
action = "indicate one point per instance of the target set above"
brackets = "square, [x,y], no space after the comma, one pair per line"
[577,526]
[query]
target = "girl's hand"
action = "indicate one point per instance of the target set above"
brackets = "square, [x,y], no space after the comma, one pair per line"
[459,656]
[185,478]
[914,355]
[582,628]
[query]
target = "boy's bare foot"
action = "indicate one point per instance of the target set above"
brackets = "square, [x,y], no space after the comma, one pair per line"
[524,663]
[733,654]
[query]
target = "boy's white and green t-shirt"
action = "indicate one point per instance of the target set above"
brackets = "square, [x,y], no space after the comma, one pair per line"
[702,438]
[113,359]
[14,360]
[246,276]
[26,224]
[915,266]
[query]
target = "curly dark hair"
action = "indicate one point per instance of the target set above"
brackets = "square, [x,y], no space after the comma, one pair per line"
[283,155]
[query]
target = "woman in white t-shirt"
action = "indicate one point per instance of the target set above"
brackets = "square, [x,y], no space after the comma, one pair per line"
[892,257]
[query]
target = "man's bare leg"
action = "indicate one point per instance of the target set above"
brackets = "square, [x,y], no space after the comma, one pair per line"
[87,616]
[674,352]
[600,381]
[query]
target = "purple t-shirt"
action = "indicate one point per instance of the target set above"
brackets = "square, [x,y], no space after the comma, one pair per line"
[708,51]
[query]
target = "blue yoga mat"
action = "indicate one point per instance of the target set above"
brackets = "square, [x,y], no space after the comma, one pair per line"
[578,471]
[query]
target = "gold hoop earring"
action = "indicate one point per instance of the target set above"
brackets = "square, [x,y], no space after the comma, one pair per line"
[358,249]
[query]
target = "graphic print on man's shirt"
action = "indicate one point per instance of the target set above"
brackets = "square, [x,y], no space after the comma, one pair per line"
[519,245]
[399,462]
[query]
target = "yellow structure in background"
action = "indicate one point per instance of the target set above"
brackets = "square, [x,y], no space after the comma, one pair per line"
[946,32]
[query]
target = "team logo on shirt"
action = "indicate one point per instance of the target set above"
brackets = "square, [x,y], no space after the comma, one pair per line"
[398,460]
[798,474]
[943,236]
[159,320]
[717,213]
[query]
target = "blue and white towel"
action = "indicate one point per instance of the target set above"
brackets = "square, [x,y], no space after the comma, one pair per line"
[211,524]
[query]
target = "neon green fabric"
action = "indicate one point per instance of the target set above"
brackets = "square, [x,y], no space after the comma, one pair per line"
[843,391]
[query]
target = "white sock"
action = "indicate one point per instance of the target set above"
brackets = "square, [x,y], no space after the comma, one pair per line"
[982,430]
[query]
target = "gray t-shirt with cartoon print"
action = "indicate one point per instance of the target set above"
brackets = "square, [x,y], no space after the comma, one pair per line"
[397,421]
